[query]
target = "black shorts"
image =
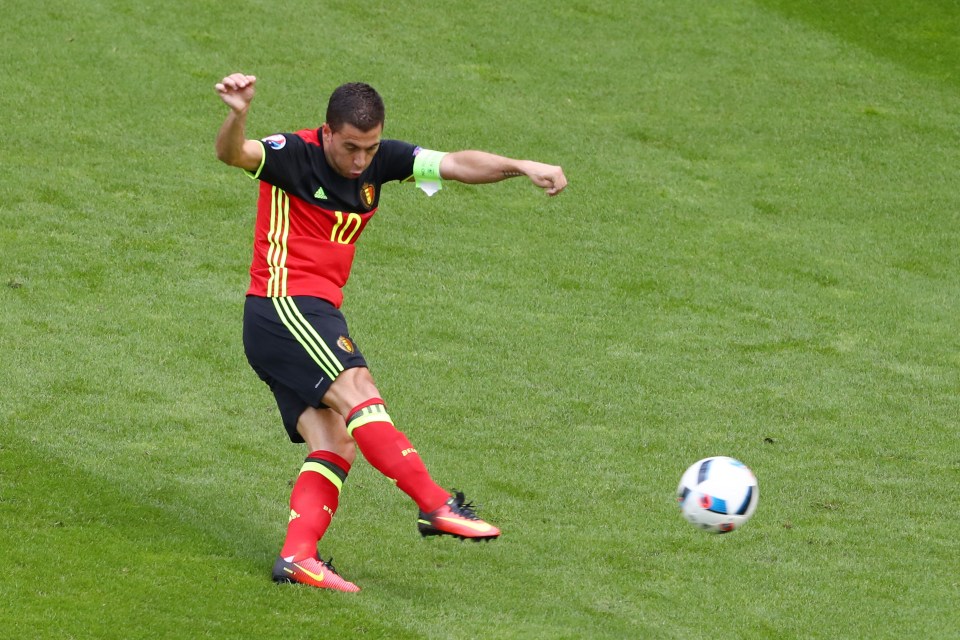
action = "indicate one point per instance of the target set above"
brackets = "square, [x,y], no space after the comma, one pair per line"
[297,345]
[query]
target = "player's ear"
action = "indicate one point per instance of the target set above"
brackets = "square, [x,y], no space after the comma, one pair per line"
[326,132]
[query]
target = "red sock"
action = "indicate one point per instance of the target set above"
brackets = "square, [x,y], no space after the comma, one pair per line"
[389,451]
[313,502]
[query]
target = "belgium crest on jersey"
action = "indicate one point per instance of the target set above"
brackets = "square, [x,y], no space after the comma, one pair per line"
[368,193]
[346,344]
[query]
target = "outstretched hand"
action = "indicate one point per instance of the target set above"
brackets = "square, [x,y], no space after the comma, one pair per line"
[236,90]
[548,177]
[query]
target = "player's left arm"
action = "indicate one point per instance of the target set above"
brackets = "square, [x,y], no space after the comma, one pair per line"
[480,167]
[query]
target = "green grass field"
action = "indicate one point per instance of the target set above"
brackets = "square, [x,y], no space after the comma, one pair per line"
[758,255]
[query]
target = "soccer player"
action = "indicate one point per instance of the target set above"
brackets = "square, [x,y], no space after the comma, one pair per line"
[318,190]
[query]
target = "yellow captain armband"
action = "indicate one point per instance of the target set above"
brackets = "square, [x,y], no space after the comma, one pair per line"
[426,170]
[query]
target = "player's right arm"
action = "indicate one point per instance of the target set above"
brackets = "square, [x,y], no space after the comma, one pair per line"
[233,147]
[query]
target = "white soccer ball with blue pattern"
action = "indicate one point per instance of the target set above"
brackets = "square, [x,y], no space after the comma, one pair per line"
[718,494]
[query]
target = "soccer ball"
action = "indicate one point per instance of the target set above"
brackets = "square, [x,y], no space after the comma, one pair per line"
[718,494]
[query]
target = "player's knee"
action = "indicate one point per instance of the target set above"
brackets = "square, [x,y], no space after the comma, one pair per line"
[351,388]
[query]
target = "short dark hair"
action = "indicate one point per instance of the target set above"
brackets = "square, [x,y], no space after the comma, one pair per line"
[357,104]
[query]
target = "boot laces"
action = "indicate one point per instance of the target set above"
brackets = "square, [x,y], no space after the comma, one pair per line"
[329,565]
[462,508]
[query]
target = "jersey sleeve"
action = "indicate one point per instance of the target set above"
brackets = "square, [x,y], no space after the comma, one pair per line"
[396,160]
[284,162]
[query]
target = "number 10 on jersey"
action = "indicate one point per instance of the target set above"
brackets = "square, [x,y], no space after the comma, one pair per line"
[345,229]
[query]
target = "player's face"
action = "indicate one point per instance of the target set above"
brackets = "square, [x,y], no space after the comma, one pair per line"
[350,151]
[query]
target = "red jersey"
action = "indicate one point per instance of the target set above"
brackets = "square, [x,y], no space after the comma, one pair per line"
[309,217]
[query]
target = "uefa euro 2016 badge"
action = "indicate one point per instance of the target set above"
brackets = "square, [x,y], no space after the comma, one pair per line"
[346,344]
[276,142]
